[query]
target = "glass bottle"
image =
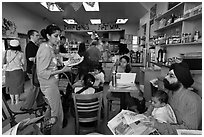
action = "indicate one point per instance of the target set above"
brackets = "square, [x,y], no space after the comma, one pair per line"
[164,56]
[114,82]
[196,36]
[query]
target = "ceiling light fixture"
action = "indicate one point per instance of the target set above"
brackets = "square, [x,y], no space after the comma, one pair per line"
[91,6]
[121,21]
[70,21]
[95,21]
[51,6]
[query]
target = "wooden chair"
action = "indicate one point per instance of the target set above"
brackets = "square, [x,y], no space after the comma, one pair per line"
[87,109]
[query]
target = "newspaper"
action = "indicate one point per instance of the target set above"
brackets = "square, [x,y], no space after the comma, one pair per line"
[189,132]
[122,124]
[14,130]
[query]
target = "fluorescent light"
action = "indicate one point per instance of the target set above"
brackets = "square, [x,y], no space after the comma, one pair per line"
[121,21]
[95,21]
[51,6]
[70,21]
[90,33]
[91,6]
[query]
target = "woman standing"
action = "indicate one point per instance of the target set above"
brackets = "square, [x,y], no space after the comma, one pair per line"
[47,73]
[14,71]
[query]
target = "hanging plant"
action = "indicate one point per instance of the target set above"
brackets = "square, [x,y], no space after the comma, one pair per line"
[8,28]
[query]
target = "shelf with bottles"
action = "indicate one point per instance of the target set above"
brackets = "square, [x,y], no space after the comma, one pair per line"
[170,11]
[177,39]
[179,44]
[179,22]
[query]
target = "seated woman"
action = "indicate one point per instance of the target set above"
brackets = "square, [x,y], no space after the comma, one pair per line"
[122,67]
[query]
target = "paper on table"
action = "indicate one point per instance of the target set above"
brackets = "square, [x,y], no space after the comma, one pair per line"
[189,132]
[125,78]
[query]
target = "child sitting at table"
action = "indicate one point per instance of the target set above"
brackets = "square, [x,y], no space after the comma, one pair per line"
[159,109]
[88,82]
[98,73]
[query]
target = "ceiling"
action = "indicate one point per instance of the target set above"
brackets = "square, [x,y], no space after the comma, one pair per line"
[109,12]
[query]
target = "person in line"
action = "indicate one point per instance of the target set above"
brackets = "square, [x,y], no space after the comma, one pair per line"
[46,66]
[160,109]
[83,66]
[186,104]
[62,48]
[94,54]
[30,53]
[14,75]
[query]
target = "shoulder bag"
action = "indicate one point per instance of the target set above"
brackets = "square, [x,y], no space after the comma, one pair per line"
[34,76]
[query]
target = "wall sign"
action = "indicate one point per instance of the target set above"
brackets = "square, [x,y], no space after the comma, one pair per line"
[92,27]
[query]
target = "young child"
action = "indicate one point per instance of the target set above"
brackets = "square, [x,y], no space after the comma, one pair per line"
[99,77]
[88,82]
[159,109]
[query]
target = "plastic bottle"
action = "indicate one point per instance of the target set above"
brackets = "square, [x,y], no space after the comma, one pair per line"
[114,82]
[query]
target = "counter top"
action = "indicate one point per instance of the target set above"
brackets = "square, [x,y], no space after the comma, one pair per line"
[137,64]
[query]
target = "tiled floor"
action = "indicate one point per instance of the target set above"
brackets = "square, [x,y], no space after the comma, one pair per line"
[70,128]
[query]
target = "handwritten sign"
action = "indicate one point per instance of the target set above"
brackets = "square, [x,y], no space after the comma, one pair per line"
[92,27]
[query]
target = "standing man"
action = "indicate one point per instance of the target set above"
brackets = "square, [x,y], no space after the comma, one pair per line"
[186,104]
[30,52]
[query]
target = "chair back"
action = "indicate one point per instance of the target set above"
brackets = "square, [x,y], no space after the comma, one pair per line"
[87,108]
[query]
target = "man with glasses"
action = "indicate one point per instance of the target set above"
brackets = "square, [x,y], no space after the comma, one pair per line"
[186,104]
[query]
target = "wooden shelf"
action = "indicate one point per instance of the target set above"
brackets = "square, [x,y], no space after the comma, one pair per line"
[167,13]
[170,26]
[194,17]
[181,44]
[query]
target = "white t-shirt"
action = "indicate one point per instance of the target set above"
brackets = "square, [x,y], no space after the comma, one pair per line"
[164,114]
[99,79]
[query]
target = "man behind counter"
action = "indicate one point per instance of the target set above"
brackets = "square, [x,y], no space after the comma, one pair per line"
[186,104]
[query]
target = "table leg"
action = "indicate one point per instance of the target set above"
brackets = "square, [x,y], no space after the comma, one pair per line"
[122,101]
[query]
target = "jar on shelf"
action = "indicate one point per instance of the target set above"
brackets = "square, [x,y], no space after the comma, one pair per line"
[183,38]
[196,36]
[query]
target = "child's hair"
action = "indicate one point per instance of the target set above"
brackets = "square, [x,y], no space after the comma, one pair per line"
[89,80]
[161,95]
[99,68]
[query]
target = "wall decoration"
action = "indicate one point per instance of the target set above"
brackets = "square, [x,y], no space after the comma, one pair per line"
[9,28]
[104,26]
[153,11]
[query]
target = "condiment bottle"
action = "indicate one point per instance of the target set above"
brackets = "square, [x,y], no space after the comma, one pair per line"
[114,81]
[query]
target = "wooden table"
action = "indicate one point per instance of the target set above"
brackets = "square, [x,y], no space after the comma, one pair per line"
[123,88]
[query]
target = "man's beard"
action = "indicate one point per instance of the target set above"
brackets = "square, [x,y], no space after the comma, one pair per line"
[173,87]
